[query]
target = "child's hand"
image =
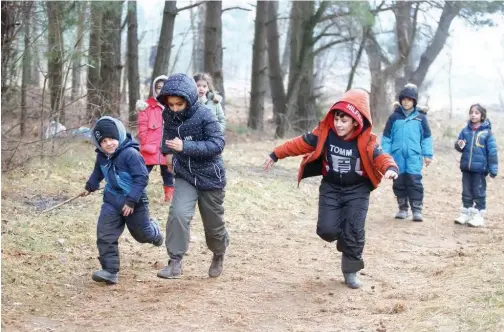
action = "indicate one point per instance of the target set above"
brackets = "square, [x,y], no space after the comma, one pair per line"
[169,162]
[141,105]
[461,143]
[85,193]
[217,98]
[268,164]
[390,174]
[126,210]
[427,161]
[493,175]
[175,144]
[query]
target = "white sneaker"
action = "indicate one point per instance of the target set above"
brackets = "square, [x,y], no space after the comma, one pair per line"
[477,219]
[465,216]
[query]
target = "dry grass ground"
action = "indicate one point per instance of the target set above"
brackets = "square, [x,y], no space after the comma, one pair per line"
[279,276]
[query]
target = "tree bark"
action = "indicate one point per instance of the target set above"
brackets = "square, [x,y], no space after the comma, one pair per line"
[161,65]
[76,66]
[94,62]
[256,111]
[133,76]
[275,69]
[213,44]
[110,71]
[55,57]
[198,32]
[27,9]
[10,13]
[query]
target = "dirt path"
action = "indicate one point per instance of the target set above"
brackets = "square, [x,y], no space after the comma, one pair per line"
[279,276]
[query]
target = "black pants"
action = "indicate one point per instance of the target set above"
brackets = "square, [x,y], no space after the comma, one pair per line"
[474,190]
[409,186]
[110,227]
[342,217]
[167,176]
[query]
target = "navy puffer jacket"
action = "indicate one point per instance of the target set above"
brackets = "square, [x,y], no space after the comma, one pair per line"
[200,161]
[480,152]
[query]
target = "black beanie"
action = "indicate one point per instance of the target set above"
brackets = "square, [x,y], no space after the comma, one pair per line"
[409,91]
[106,128]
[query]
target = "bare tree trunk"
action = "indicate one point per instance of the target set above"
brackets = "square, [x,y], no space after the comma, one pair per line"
[94,61]
[76,67]
[275,70]
[256,112]
[111,59]
[27,9]
[55,56]
[162,62]
[287,51]
[213,44]
[358,57]
[133,77]
[198,32]
[10,14]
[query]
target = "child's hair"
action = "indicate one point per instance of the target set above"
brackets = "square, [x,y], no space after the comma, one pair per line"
[207,78]
[339,114]
[481,109]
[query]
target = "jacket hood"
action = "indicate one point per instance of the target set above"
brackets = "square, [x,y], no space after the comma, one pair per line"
[358,98]
[183,86]
[125,139]
[484,125]
[155,81]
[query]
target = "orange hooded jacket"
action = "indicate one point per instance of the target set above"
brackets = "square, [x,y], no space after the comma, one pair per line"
[373,160]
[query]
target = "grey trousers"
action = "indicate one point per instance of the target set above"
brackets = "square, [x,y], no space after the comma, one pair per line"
[210,203]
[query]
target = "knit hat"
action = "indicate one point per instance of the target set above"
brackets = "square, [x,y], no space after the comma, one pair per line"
[351,111]
[409,91]
[105,128]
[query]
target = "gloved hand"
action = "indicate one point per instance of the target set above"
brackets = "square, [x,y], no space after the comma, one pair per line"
[141,105]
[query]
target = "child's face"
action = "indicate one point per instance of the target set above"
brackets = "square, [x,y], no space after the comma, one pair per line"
[475,115]
[176,103]
[407,103]
[159,86]
[202,87]
[344,125]
[109,145]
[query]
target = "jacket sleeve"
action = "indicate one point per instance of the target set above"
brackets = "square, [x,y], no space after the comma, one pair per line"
[426,143]
[169,133]
[221,117]
[297,146]
[212,146]
[383,161]
[93,183]
[139,175]
[493,160]
[143,123]
[387,136]
[460,137]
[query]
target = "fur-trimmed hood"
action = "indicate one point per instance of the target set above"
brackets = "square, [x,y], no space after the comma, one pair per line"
[424,109]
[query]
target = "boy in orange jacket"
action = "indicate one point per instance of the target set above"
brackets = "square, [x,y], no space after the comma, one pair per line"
[348,156]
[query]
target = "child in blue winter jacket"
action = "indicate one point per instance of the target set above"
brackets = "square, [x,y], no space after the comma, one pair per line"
[125,203]
[479,158]
[407,137]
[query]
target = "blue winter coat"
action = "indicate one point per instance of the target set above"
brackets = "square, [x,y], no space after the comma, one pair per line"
[408,139]
[200,161]
[480,152]
[124,171]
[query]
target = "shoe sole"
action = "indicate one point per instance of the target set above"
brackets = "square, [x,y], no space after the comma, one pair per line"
[107,281]
[460,223]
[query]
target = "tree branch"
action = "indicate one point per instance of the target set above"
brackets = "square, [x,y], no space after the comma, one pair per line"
[339,41]
[196,4]
[237,7]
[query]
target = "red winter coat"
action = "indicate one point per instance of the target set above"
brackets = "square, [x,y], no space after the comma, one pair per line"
[150,133]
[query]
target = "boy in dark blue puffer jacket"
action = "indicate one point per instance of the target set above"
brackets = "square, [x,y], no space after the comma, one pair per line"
[125,203]
[479,158]
[192,143]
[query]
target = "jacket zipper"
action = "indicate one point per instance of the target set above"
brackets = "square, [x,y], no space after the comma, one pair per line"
[471,152]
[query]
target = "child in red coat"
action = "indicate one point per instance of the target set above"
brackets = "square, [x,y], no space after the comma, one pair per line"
[150,134]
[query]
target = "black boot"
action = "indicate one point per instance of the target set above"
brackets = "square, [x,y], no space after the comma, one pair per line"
[416,208]
[403,208]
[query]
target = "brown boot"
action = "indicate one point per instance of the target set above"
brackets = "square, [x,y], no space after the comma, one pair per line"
[216,266]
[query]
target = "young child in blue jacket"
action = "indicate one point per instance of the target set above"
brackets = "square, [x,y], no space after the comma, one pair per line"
[407,137]
[479,158]
[125,202]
